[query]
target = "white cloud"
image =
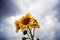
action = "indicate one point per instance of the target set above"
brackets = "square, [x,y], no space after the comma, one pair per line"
[43,11]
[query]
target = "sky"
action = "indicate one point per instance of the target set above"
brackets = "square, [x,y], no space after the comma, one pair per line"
[47,13]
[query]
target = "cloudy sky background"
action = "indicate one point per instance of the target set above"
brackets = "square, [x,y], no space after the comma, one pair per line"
[47,12]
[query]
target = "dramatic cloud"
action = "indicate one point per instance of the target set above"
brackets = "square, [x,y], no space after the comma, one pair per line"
[45,11]
[8,8]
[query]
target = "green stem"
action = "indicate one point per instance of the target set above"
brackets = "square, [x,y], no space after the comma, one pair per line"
[28,36]
[32,37]
[33,33]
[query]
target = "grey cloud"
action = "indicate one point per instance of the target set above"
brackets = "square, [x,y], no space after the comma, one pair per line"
[45,33]
[57,8]
[8,8]
[57,31]
[2,36]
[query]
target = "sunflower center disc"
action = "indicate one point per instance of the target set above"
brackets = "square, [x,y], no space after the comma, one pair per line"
[26,21]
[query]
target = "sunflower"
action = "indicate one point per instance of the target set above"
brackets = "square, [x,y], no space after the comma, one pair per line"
[34,24]
[25,21]
[17,22]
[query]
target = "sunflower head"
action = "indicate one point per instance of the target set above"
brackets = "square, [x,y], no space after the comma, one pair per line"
[17,25]
[34,24]
[25,21]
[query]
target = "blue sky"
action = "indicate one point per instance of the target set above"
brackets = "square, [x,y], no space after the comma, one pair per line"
[47,12]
